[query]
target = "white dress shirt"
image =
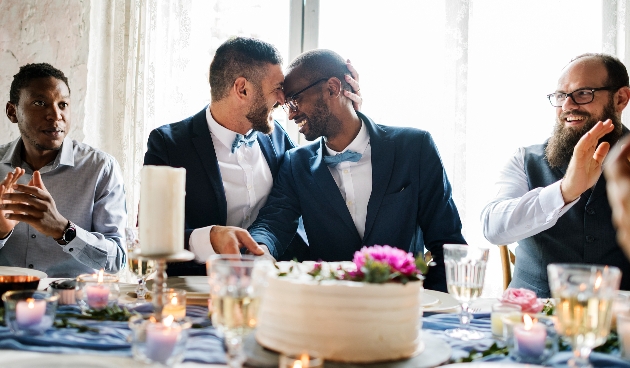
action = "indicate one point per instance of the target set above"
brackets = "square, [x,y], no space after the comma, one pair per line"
[247,181]
[516,212]
[354,179]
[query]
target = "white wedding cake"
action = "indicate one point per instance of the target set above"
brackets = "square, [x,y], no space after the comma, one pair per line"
[344,321]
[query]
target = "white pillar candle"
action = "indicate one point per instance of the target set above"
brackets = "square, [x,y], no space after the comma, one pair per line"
[161,222]
[30,312]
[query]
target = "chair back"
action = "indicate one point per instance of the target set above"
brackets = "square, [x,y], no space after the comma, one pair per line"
[507,260]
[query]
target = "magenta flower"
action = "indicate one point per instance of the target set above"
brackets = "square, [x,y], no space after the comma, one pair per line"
[397,259]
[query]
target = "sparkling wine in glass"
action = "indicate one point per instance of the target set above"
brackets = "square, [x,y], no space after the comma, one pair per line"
[584,296]
[141,268]
[236,286]
[465,272]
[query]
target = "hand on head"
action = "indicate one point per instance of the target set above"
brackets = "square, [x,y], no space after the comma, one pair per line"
[33,204]
[585,166]
[353,80]
[617,172]
[230,240]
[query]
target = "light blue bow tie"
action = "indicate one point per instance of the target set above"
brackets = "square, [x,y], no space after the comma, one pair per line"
[247,140]
[333,161]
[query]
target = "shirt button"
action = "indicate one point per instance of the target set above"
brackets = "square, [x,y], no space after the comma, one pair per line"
[70,250]
[349,203]
[345,171]
[590,211]
[30,266]
[249,187]
[590,239]
[33,236]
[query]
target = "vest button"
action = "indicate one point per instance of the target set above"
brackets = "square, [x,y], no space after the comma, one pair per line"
[30,266]
[33,236]
[590,239]
[590,211]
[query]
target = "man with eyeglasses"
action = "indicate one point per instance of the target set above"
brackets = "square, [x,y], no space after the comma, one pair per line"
[551,198]
[359,183]
[231,150]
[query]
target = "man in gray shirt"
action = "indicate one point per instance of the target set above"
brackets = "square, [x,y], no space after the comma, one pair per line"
[62,204]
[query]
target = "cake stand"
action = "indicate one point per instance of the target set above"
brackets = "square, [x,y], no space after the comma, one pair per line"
[159,283]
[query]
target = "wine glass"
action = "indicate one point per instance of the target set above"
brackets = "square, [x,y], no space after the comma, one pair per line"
[584,296]
[236,286]
[141,268]
[465,272]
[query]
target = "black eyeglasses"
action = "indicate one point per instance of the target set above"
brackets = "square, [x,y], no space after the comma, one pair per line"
[290,104]
[580,96]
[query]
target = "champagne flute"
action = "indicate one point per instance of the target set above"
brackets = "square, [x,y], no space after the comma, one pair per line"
[584,296]
[465,272]
[236,286]
[141,268]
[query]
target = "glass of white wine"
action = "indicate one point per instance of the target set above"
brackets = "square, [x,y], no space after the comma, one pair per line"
[584,296]
[236,286]
[141,268]
[465,273]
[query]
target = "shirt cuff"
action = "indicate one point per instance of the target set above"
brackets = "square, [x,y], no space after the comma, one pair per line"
[199,244]
[3,241]
[551,201]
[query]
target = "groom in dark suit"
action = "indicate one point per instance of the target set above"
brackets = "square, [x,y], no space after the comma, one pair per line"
[360,184]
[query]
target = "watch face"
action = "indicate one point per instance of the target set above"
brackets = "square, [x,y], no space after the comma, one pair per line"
[70,234]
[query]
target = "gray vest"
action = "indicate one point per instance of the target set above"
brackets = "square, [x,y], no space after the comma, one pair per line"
[584,234]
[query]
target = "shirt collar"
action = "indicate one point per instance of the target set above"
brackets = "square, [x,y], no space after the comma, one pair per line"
[359,144]
[223,134]
[13,156]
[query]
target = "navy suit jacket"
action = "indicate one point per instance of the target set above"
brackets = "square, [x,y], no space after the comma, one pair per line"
[410,205]
[188,144]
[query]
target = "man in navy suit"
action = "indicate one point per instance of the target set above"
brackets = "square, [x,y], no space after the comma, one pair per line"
[231,150]
[393,190]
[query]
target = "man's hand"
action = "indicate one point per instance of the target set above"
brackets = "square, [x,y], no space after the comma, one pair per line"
[230,240]
[585,167]
[34,205]
[6,187]
[617,172]
[353,80]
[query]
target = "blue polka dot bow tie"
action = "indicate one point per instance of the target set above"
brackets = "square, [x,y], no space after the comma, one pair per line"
[333,161]
[247,140]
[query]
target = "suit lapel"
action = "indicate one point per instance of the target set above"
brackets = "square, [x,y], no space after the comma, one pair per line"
[205,148]
[383,155]
[329,188]
[268,151]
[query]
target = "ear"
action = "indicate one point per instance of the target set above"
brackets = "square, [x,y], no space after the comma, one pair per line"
[622,97]
[241,88]
[334,87]
[11,111]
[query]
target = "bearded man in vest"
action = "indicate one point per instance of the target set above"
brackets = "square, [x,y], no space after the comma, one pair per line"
[551,197]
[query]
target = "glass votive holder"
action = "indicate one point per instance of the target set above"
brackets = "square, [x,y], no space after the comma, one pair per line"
[534,341]
[621,305]
[623,331]
[499,310]
[97,291]
[306,359]
[161,342]
[29,312]
[509,320]
[66,291]
[174,302]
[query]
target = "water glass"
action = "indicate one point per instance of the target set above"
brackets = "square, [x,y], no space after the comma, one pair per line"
[465,273]
[140,268]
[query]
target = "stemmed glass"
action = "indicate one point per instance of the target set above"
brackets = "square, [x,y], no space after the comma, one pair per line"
[236,286]
[465,272]
[141,268]
[584,296]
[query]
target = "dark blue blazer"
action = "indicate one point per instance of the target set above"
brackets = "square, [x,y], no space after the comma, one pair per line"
[410,205]
[188,144]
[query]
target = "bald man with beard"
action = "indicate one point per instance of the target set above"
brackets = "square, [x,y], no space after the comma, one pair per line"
[551,197]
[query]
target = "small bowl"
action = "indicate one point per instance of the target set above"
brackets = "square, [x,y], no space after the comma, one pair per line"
[65,290]
[17,282]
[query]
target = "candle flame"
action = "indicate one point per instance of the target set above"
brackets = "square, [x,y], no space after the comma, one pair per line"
[31,303]
[297,364]
[168,320]
[528,322]
[598,282]
[174,300]
[304,360]
[100,276]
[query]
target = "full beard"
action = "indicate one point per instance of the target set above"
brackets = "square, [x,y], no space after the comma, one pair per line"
[260,117]
[322,122]
[561,144]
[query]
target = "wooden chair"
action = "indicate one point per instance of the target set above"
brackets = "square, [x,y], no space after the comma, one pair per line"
[507,260]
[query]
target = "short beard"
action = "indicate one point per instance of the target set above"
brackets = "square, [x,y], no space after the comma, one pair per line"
[322,123]
[258,115]
[560,147]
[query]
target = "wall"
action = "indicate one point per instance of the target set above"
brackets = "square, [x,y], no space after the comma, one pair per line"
[52,31]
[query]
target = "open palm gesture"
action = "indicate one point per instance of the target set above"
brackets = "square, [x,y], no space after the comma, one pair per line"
[6,187]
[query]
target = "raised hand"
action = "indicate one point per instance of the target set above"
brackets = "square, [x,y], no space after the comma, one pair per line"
[617,172]
[230,240]
[34,205]
[585,166]
[353,80]
[6,187]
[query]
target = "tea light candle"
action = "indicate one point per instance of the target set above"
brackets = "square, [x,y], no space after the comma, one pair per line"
[30,312]
[529,338]
[98,295]
[304,360]
[174,308]
[499,311]
[161,339]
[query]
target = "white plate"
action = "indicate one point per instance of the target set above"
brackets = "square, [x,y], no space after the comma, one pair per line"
[196,287]
[446,301]
[19,271]
[489,365]
[428,299]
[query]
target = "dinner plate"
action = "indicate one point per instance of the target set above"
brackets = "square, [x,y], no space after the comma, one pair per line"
[445,301]
[196,287]
[429,300]
[19,271]
[23,359]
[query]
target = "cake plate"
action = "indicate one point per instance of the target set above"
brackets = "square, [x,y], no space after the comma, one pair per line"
[159,282]
[436,351]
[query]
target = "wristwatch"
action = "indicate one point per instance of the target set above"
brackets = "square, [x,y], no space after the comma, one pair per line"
[68,234]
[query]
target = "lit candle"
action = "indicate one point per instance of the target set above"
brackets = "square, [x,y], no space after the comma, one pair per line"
[529,338]
[30,312]
[161,339]
[175,309]
[98,295]
[499,311]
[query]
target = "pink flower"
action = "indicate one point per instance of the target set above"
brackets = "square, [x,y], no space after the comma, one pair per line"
[526,299]
[397,259]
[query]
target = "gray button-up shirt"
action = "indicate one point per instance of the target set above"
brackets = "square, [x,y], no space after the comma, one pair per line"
[88,190]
